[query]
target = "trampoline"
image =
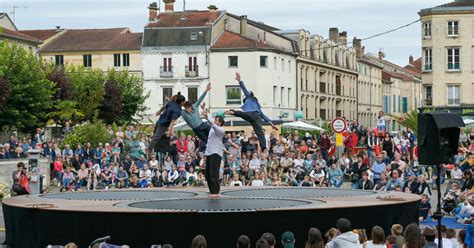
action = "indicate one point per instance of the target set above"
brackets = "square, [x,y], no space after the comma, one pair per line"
[296,192]
[129,195]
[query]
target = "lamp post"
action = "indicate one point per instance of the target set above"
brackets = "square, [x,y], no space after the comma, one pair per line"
[205,45]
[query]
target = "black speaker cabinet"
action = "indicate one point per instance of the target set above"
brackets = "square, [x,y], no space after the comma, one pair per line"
[438,137]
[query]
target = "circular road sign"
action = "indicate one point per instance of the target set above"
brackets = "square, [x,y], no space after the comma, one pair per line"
[339,125]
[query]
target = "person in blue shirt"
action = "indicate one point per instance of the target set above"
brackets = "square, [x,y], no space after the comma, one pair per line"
[165,124]
[191,116]
[252,112]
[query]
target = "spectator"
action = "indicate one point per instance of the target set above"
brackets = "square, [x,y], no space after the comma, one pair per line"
[461,238]
[121,178]
[391,241]
[446,242]
[411,186]
[288,239]
[21,178]
[346,238]
[134,182]
[235,181]
[397,231]
[451,235]
[68,179]
[261,243]
[335,176]
[357,169]
[382,183]
[270,238]
[331,234]
[199,242]
[58,170]
[423,187]
[257,182]
[82,175]
[411,236]
[429,235]
[378,168]
[315,239]
[365,183]
[394,181]
[378,238]
[243,241]
[425,207]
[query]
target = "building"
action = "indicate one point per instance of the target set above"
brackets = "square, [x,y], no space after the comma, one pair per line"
[9,32]
[327,76]
[369,87]
[401,86]
[448,54]
[266,61]
[175,52]
[103,49]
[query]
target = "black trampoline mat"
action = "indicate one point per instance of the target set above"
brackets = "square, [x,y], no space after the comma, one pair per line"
[297,192]
[221,205]
[120,195]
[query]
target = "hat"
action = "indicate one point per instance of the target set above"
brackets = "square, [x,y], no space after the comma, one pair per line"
[411,173]
[429,231]
[288,240]
[1,145]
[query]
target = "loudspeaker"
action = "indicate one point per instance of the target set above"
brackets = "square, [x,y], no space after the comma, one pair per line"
[438,137]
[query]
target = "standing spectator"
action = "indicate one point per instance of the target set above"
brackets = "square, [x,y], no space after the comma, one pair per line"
[288,239]
[261,243]
[199,242]
[346,238]
[412,237]
[182,144]
[378,238]
[429,234]
[397,231]
[372,144]
[58,170]
[325,146]
[315,239]
[446,242]
[243,241]
[270,238]
[21,178]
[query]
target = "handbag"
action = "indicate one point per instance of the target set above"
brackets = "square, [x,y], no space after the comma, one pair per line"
[16,187]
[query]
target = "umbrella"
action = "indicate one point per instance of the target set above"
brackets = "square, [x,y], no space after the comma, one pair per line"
[301,125]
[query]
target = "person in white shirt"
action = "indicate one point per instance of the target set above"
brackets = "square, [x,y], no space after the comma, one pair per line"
[145,176]
[214,153]
[456,173]
[257,182]
[255,162]
[317,174]
[235,181]
[378,238]
[446,242]
[173,176]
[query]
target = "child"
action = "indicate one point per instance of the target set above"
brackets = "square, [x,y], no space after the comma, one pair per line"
[68,179]
[451,198]
[425,207]
[390,241]
[467,209]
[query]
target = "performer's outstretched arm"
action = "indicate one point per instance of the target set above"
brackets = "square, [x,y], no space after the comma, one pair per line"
[201,98]
[242,85]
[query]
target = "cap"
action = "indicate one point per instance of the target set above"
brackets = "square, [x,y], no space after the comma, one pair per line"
[288,240]
[429,231]
[411,173]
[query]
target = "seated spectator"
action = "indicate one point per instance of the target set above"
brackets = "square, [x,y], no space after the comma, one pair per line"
[411,186]
[235,181]
[134,182]
[291,177]
[365,183]
[315,239]
[168,164]
[397,231]
[270,238]
[307,182]
[456,173]
[105,177]
[82,176]
[425,207]
[394,181]
[288,239]
[317,175]
[412,236]
[173,176]
[346,238]
[423,187]
[191,177]
[199,242]
[451,199]
[201,180]
[243,241]
[68,179]
[94,177]
[429,235]
[276,180]
[145,176]
[331,234]
[467,209]
[381,183]
[378,238]
[121,178]
[335,176]
[247,175]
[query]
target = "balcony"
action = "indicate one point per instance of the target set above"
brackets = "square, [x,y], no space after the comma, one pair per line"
[428,102]
[322,87]
[166,72]
[192,71]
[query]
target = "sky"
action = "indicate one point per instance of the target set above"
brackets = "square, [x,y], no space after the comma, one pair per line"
[360,18]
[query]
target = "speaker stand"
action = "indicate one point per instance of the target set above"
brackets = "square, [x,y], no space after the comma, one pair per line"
[438,215]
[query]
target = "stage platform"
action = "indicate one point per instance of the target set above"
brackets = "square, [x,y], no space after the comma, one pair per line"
[142,217]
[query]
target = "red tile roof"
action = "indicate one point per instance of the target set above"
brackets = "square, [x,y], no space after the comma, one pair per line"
[95,40]
[41,34]
[233,40]
[186,19]
[17,35]
[387,75]
[415,66]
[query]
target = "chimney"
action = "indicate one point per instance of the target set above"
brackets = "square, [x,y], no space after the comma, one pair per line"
[169,6]
[410,59]
[243,25]
[360,50]
[381,54]
[212,8]
[333,34]
[342,39]
[153,12]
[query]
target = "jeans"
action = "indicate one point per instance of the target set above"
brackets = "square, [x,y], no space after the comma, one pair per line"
[462,216]
[336,183]
[66,183]
[59,175]
[80,183]
[355,185]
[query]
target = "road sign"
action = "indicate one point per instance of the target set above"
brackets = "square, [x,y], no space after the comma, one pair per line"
[339,125]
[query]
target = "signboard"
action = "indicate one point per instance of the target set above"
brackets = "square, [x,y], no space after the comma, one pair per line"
[338,139]
[339,125]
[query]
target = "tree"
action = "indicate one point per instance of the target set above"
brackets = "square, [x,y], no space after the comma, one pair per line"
[5,92]
[409,119]
[88,90]
[133,93]
[94,132]
[31,92]
[63,83]
[111,106]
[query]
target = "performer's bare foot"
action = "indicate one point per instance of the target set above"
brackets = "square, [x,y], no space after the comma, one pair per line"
[214,196]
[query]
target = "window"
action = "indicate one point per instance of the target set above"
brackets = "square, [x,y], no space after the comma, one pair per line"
[167,92]
[399,103]
[275,92]
[453,28]
[126,59]
[289,97]
[59,60]
[427,57]
[87,60]
[233,95]
[453,58]
[281,96]
[167,65]
[427,29]
[117,60]
[394,103]
[263,61]
[405,104]
[454,95]
[282,64]
[192,63]
[192,94]
[289,65]
[275,62]
[233,61]
[194,36]
[428,90]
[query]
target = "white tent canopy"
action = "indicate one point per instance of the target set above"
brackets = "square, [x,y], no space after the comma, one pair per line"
[301,125]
